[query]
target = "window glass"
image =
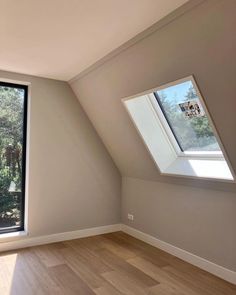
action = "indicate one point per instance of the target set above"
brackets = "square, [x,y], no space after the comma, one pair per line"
[186,118]
[12,156]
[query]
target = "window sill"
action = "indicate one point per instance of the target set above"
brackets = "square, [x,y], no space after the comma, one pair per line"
[9,236]
[212,169]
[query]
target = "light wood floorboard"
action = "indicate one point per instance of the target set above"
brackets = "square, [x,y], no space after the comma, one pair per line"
[111,264]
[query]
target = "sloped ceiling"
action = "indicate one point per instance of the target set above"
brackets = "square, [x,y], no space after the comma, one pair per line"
[60,38]
[201,41]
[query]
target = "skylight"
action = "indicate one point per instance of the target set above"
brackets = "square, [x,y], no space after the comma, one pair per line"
[186,117]
[178,131]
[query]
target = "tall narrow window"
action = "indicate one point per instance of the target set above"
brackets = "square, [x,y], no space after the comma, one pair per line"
[13,114]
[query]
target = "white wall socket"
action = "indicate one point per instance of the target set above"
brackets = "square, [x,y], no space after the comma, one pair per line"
[130,216]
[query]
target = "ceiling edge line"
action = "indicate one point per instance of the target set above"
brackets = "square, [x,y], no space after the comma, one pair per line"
[178,12]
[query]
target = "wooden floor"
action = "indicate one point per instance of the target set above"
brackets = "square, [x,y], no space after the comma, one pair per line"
[104,265]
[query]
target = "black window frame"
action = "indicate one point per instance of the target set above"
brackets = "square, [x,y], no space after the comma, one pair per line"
[24,148]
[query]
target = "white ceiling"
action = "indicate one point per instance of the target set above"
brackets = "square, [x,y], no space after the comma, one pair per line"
[60,38]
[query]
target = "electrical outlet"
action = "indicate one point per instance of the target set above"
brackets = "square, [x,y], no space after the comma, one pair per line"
[130,216]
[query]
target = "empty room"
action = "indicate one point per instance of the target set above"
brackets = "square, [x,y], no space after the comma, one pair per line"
[118,147]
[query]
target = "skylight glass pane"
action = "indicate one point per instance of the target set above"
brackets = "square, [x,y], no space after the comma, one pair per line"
[187,119]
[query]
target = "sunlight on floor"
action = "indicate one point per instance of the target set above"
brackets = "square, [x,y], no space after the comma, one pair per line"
[7,272]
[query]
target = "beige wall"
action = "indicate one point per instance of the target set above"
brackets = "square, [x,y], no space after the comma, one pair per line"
[202,42]
[197,220]
[198,216]
[73,183]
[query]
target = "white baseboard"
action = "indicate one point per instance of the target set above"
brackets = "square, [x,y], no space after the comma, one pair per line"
[202,263]
[23,241]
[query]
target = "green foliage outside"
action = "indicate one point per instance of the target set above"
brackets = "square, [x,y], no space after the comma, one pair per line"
[11,138]
[194,134]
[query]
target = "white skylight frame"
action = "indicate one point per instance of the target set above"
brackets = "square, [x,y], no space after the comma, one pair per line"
[182,163]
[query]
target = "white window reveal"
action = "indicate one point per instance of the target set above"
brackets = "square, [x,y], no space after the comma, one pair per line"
[177,129]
